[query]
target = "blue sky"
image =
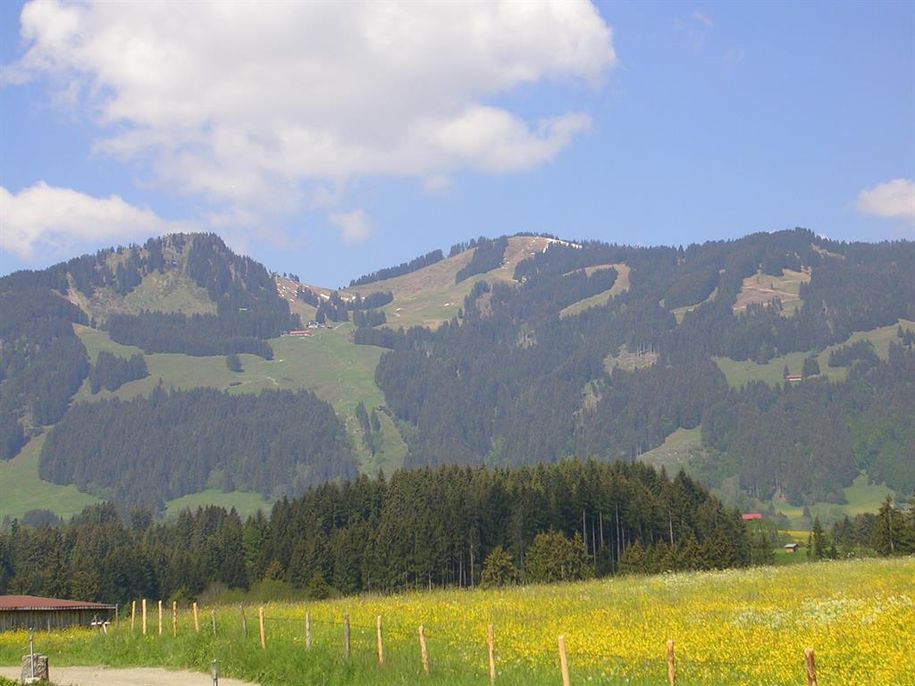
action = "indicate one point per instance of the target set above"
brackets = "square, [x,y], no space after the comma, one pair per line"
[332,140]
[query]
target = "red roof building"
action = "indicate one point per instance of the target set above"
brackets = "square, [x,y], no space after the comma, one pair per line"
[750,516]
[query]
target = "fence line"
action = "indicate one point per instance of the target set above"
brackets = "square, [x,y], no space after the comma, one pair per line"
[379,630]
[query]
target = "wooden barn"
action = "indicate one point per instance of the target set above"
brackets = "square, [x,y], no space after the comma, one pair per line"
[32,612]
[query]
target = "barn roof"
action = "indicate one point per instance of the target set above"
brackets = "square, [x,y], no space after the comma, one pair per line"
[31,602]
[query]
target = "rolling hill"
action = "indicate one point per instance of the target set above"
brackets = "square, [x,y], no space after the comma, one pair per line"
[507,351]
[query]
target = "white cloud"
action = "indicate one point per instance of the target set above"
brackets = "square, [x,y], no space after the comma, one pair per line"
[245,102]
[354,226]
[894,200]
[47,221]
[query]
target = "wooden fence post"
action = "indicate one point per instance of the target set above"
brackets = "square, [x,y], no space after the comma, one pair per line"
[174,618]
[671,665]
[244,620]
[379,641]
[144,616]
[160,617]
[213,618]
[423,653]
[346,636]
[810,664]
[491,641]
[133,615]
[307,630]
[196,618]
[260,617]
[564,662]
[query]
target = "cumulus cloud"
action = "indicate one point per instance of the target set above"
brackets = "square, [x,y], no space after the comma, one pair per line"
[247,102]
[354,226]
[45,220]
[894,200]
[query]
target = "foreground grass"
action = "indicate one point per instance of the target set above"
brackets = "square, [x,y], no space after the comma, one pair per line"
[732,627]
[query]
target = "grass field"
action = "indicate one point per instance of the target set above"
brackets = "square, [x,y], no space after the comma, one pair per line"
[683,446]
[21,490]
[763,288]
[244,503]
[737,627]
[172,291]
[429,296]
[621,285]
[327,363]
[739,374]
[860,497]
[676,451]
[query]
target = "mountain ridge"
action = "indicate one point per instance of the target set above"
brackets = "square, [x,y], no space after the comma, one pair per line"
[537,327]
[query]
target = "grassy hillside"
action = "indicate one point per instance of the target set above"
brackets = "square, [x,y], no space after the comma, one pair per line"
[862,496]
[733,627]
[244,503]
[621,285]
[168,291]
[327,363]
[740,373]
[429,296]
[676,452]
[683,448]
[680,312]
[763,288]
[21,490]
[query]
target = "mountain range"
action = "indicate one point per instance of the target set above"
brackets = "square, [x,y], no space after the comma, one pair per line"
[778,368]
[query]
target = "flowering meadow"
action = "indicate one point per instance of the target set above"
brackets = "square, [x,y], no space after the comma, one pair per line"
[730,627]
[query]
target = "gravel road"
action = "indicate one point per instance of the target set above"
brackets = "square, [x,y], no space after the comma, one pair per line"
[139,676]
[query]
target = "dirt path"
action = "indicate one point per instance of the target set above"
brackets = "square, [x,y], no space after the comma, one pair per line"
[139,676]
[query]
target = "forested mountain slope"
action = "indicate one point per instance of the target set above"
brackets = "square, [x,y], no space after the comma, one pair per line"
[171,444]
[512,382]
[506,351]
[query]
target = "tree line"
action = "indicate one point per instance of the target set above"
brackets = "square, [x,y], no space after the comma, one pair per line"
[413,265]
[415,529]
[488,254]
[111,371]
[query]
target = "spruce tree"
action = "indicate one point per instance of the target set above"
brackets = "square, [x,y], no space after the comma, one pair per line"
[819,540]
